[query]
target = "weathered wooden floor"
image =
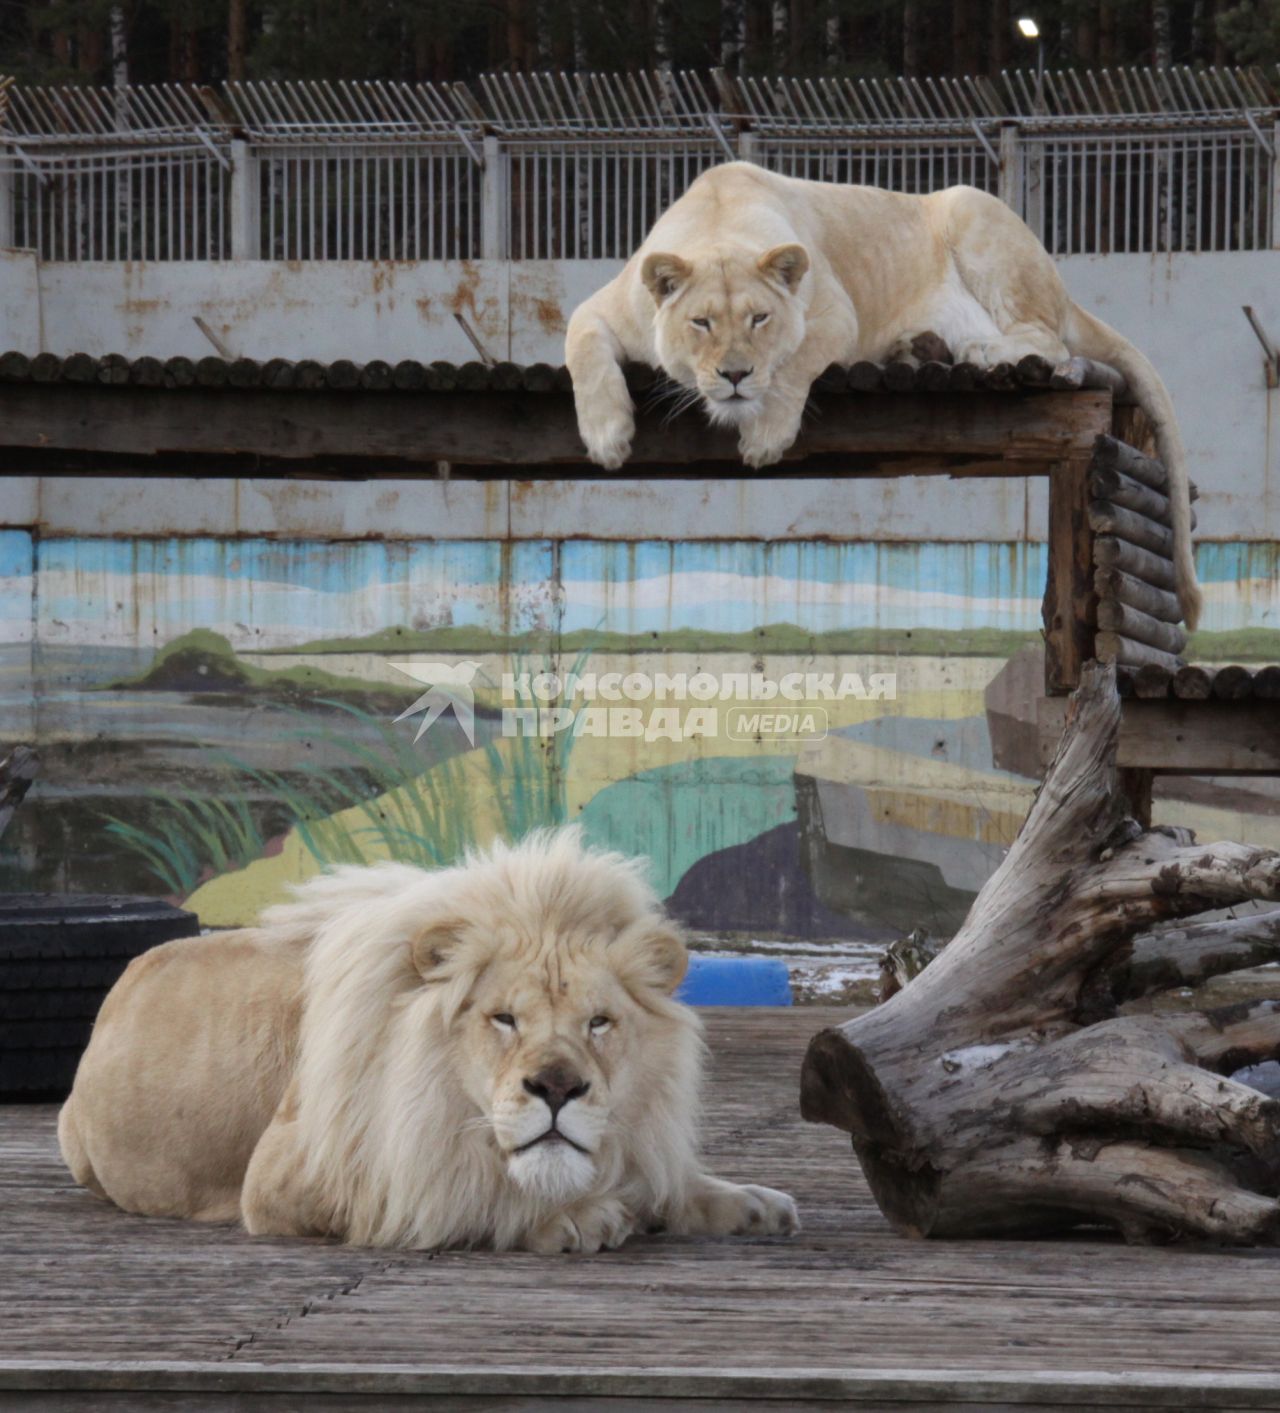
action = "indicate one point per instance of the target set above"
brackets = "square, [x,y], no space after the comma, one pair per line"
[101,1309]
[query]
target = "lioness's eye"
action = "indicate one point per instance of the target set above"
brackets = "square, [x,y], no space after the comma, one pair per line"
[504,1019]
[758,319]
[701,323]
[599,1023]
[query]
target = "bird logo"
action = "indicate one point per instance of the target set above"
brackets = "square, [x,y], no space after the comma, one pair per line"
[447,686]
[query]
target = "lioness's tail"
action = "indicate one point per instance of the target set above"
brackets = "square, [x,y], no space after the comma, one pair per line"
[1091,338]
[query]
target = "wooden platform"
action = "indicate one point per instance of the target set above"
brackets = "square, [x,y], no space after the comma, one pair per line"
[101,1309]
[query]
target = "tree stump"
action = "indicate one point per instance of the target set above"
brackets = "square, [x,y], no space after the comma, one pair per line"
[1002,1092]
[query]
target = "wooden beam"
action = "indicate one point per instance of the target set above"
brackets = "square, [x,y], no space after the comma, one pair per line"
[1018,433]
[1183,737]
[1070,603]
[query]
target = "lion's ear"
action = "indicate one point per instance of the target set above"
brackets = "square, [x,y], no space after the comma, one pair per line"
[433,950]
[655,956]
[664,274]
[785,264]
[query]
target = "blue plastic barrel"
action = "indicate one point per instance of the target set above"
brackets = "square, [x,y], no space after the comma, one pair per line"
[735,981]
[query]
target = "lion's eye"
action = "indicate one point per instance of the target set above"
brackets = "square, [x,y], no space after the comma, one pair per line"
[504,1020]
[758,319]
[701,323]
[600,1023]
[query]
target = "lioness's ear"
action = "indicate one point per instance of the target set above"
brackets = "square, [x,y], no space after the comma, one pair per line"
[654,955]
[664,274]
[787,264]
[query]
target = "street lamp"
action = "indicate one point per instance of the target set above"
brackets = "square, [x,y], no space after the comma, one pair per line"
[1028,29]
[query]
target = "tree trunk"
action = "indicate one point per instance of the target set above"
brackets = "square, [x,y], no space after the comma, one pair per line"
[911,27]
[236,24]
[1161,34]
[733,34]
[1004,1090]
[779,32]
[662,36]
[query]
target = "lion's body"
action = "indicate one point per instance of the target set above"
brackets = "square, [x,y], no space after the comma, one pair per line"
[338,1070]
[833,274]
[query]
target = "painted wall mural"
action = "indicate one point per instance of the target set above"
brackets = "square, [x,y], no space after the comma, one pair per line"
[809,740]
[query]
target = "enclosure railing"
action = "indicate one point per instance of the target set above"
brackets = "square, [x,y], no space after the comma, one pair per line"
[571,167]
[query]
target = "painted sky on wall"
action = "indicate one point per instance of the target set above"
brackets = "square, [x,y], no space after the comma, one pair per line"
[263,593]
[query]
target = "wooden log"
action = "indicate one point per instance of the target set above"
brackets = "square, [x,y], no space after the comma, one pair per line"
[1190,954]
[1079,373]
[832,379]
[79,368]
[211,372]
[899,376]
[1003,377]
[146,372]
[278,374]
[964,377]
[113,369]
[1151,683]
[1266,683]
[18,768]
[376,375]
[1034,371]
[933,376]
[1108,484]
[1112,553]
[1128,652]
[473,377]
[409,375]
[1108,519]
[564,380]
[179,372]
[1193,683]
[981,1099]
[864,377]
[539,377]
[1111,454]
[342,375]
[1111,583]
[1233,683]
[507,377]
[46,368]
[929,347]
[244,373]
[15,367]
[308,374]
[1116,617]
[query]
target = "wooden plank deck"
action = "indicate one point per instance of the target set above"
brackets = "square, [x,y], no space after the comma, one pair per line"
[101,1309]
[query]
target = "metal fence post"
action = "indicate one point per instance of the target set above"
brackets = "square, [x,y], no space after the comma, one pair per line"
[494,202]
[1275,186]
[747,146]
[6,197]
[246,203]
[1009,186]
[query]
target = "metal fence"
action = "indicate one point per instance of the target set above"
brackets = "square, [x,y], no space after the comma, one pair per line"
[560,167]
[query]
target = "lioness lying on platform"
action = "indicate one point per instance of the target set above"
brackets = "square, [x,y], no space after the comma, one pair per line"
[753,283]
[486,1055]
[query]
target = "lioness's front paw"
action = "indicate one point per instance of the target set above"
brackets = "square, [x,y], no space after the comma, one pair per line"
[608,438]
[601,1226]
[761,448]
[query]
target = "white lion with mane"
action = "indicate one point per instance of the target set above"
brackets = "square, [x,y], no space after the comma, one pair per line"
[753,283]
[485,1055]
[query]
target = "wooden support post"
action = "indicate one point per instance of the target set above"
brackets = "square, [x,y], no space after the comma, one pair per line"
[1070,602]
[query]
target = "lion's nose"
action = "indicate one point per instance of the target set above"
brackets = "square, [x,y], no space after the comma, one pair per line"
[736,375]
[556,1085]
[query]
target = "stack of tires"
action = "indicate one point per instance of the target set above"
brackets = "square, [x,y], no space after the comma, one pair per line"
[59,956]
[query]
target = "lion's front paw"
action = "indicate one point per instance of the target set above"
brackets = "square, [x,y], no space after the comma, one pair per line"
[608,437]
[760,446]
[725,1209]
[602,1226]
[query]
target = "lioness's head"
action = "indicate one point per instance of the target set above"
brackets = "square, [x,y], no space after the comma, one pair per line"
[555,970]
[725,320]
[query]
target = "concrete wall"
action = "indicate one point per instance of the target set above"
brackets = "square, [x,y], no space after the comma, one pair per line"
[1184,310]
